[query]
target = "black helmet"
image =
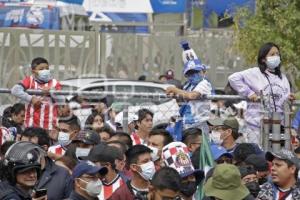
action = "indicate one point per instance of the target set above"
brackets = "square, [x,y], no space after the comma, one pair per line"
[22,156]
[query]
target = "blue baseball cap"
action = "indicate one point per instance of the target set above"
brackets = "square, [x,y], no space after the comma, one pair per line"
[193,65]
[218,151]
[87,167]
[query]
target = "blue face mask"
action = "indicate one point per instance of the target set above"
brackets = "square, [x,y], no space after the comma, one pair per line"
[195,78]
[44,75]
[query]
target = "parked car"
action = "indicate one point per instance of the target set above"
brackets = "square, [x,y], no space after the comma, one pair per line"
[164,108]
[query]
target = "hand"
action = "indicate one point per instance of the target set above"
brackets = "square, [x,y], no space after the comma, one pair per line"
[253,97]
[171,90]
[292,97]
[46,91]
[40,198]
[53,156]
[294,132]
[36,101]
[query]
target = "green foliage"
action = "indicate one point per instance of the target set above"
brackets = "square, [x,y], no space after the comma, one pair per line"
[275,21]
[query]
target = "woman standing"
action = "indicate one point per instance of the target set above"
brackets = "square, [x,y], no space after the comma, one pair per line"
[266,78]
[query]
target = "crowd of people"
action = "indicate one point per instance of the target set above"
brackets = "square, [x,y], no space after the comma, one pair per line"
[49,152]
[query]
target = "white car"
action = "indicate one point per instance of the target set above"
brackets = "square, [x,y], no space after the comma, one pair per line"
[163,108]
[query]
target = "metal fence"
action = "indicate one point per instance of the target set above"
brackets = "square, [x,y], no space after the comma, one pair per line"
[166,107]
[75,53]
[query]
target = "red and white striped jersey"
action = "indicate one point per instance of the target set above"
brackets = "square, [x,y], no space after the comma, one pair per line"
[109,189]
[57,149]
[136,139]
[44,116]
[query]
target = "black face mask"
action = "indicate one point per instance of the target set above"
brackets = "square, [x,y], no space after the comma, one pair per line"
[253,187]
[261,181]
[188,188]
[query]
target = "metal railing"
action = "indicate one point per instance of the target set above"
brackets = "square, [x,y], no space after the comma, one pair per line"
[271,137]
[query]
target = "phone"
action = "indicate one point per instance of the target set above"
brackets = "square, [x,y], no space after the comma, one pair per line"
[40,193]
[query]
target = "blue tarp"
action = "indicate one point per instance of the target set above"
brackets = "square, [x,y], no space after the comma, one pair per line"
[169,6]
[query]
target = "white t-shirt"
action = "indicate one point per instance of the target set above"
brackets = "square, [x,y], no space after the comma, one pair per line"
[200,108]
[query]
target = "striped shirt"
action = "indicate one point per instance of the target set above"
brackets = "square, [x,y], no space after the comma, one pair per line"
[110,188]
[57,149]
[45,115]
[136,139]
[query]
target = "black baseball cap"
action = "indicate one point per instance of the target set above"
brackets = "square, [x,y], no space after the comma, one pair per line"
[87,137]
[104,153]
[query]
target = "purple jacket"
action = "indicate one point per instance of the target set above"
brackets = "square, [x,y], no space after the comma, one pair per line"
[252,81]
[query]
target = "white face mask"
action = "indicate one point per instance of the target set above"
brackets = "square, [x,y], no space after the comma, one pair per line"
[148,170]
[63,138]
[154,154]
[215,136]
[273,62]
[80,152]
[44,75]
[93,188]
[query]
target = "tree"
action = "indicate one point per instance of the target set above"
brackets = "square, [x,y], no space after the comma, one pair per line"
[273,21]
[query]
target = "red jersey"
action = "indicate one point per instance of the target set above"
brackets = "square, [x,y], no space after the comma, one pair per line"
[136,139]
[109,189]
[45,115]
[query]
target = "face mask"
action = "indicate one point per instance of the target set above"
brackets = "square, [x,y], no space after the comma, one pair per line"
[80,152]
[44,75]
[63,138]
[148,170]
[93,188]
[195,78]
[216,137]
[273,62]
[188,188]
[154,154]
[253,187]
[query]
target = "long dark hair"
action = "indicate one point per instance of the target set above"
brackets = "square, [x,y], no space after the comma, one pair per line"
[263,51]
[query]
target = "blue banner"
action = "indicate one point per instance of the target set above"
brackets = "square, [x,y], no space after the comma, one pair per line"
[12,1]
[80,2]
[30,17]
[169,6]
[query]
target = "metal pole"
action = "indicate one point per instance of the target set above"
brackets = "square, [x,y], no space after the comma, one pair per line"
[287,125]
[125,118]
[276,134]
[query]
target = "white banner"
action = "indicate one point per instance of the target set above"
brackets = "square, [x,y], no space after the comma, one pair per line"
[118,6]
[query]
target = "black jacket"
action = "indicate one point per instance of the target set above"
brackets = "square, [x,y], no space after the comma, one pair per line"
[75,196]
[56,180]
[9,192]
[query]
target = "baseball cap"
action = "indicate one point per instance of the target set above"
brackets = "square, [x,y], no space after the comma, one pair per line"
[258,162]
[176,155]
[218,151]
[283,154]
[87,137]
[104,153]
[87,167]
[117,106]
[230,122]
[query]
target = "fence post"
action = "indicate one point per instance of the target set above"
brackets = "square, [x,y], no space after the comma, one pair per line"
[276,133]
[265,130]
[287,125]
[125,118]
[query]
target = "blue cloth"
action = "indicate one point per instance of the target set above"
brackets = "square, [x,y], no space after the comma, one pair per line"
[169,6]
[296,121]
